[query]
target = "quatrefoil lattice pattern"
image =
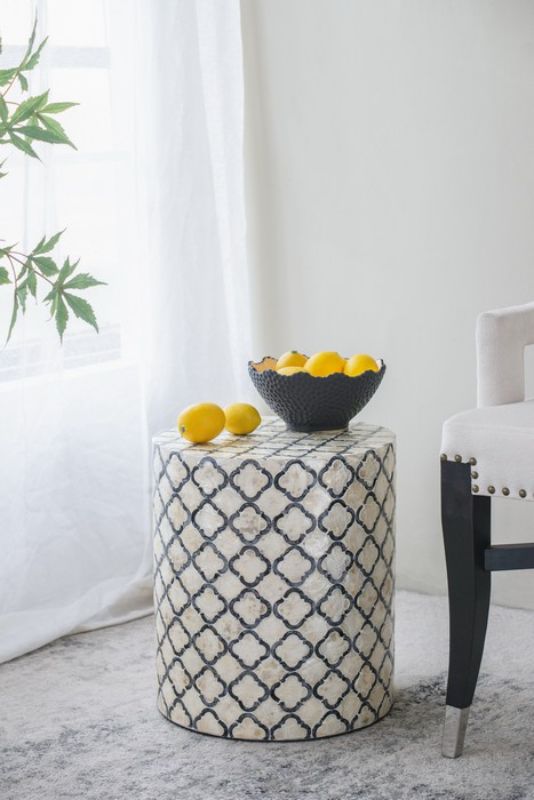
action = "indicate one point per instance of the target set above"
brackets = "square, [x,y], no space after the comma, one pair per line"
[274,581]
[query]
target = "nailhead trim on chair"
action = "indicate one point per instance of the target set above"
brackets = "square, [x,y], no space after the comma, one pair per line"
[505,491]
[459,459]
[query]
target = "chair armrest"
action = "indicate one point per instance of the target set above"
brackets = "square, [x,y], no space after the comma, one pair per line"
[502,336]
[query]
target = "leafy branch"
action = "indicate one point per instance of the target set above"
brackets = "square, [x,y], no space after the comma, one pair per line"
[21,125]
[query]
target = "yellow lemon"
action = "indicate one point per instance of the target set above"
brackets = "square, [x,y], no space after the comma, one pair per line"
[201,422]
[322,364]
[290,370]
[360,363]
[291,359]
[241,418]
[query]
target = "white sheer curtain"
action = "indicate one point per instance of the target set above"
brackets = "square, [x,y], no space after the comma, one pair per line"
[193,148]
[153,203]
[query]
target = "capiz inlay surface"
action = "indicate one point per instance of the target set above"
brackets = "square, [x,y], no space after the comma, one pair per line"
[274,581]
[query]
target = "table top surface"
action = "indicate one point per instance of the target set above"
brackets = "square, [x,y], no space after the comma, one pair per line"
[273,439]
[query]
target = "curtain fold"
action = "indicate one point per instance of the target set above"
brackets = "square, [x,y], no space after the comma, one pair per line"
[192,147]
[165,226]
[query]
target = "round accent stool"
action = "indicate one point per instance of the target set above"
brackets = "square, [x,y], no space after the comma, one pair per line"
[274,581]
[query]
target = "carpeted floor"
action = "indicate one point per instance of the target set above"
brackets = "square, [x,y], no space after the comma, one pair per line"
[78,720]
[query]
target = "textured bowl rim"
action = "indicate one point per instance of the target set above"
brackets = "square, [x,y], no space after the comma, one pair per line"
[253,365]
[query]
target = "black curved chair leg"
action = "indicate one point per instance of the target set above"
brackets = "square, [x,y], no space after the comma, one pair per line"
[466,522]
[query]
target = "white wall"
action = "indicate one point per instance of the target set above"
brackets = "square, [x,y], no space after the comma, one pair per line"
[390,151]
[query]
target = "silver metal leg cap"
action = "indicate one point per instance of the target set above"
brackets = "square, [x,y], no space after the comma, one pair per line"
[454,729]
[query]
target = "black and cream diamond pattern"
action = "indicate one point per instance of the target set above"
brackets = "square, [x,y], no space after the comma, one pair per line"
[274,581]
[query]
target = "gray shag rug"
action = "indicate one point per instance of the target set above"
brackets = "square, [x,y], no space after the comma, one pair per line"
[78,719]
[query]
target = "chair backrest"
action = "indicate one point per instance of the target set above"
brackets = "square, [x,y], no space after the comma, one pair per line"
[501,337]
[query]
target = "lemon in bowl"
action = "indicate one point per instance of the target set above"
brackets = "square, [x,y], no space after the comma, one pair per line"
[291,359]
[360,363]
[289,370]
[325,363]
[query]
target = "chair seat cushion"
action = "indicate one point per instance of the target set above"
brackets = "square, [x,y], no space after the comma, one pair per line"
[499,442]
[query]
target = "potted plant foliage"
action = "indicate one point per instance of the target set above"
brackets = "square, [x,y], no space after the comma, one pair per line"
[25,121]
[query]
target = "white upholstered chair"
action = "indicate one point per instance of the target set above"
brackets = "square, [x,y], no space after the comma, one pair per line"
[486,452]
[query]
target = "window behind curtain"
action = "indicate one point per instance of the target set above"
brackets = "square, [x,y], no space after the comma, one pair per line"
[89,190]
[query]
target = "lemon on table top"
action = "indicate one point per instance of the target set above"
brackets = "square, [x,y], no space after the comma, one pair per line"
[241,418]
[325,363]
[201,422]
[360,363]
[290,370]
[291,359]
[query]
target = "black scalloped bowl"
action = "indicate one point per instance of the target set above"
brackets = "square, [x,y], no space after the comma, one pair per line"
[307,403]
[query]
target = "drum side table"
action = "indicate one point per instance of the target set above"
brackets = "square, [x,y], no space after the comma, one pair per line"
[274,581]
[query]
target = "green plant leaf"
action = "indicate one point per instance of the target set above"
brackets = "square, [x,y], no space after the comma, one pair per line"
[50,297]
[4,113]
[45,245]
[61,314]
[22,291]
[43,135]
[57,108]
[83,281]
[32,283]
[37,248]
[82,309]
[46,264]
[31,40]
[13,317]
[24,270]
[28,107]
[4,276]
[23,82]
[55,127]
[66,270]
[53,299]
[7,75]
[33,60]
[23,145]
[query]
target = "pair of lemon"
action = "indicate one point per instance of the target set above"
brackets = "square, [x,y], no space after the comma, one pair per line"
[204,421]
[325,363]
